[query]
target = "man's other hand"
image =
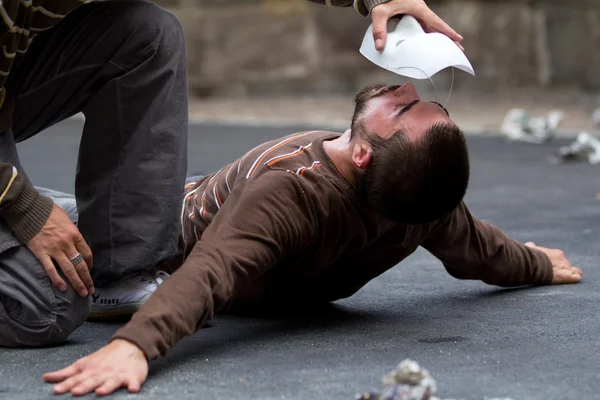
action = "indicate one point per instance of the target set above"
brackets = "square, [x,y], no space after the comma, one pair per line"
[116,365]
[418,9]
[562,270]
[60,240]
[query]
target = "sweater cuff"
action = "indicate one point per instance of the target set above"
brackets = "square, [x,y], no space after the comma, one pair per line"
[543,274]
[28,214]
[141,338]
[370,4]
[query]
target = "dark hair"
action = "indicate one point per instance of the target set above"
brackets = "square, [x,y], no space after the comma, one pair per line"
[360,104]
[417,181]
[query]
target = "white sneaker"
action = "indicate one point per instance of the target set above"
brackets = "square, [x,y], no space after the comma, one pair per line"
[126,296]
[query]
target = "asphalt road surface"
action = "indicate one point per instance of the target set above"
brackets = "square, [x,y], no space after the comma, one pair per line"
[478,341]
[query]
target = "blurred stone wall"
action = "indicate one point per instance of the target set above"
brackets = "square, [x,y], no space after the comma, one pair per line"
[251,47]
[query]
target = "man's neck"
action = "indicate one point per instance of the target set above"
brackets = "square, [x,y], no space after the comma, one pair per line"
[340,152]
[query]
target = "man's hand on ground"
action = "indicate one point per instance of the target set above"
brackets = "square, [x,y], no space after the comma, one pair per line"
[562,270]
[60,240]
[418,9]
[116,365]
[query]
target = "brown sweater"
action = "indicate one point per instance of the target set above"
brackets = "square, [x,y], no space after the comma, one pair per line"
[24,210]
[281,225]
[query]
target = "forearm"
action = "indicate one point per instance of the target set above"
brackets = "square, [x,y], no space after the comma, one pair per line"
[180,306]
[21,206]
[504,262]
[202,286]
[473,249]
[363,7]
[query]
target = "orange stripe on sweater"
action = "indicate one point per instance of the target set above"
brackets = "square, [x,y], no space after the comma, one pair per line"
[203,206]
[218,197]
[309,169]
[272,149]
[287,156]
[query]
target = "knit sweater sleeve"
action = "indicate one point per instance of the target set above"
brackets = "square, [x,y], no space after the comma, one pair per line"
[363,7]
[21,206]
[273,218]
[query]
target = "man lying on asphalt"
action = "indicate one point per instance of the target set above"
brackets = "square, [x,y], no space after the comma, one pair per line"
[311,218]
[123,65]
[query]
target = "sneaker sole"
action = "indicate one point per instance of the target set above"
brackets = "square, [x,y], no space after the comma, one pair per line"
[115,312]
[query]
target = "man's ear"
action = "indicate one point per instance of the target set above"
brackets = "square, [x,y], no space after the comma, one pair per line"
[362,154]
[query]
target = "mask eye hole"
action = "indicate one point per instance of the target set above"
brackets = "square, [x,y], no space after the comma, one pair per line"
[399,42]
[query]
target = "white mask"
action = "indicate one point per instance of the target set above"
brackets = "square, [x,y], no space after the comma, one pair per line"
[411,52]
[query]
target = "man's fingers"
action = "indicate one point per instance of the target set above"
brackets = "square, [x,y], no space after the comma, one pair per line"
[429,20]
[84,249]
[429,29]
[82,268]
[113,383]
[380,18]
[90,382]
[118,364]
[72,274]
[51,272]
[110,385]
[84,274]
[426,27]
[434,21]
[68,384]
[134,385]
[575,278]
[566,276]
[61,375]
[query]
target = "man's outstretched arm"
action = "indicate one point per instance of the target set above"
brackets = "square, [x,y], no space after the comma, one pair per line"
[473,249]
[253,231]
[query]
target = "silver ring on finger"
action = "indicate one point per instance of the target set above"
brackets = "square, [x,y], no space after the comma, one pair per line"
[77,259]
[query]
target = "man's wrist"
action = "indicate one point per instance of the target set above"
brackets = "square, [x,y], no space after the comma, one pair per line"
[130,344]
[27,213]
[544,270]
[371,4]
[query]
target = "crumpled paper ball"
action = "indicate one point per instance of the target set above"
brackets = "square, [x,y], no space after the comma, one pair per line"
[407,382]
[409,372]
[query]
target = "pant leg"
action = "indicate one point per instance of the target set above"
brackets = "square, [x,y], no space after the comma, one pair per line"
[123,64]
[32,311]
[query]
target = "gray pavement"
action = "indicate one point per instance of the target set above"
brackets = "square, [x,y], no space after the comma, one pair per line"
[477,340]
